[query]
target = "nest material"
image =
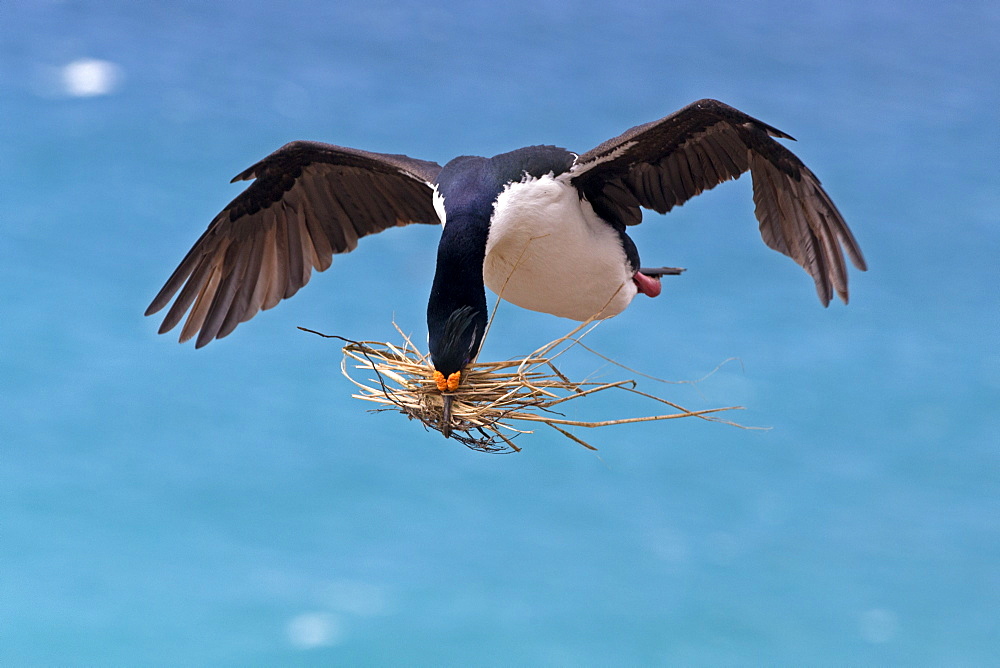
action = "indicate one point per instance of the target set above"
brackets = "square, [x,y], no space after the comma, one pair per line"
[492,396]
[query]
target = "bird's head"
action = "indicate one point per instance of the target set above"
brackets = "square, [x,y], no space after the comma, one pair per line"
[453,342]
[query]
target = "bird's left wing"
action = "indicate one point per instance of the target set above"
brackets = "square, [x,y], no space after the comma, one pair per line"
[308,201]
[664,163]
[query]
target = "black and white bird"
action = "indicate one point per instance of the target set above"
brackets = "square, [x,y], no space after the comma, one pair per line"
[540,226]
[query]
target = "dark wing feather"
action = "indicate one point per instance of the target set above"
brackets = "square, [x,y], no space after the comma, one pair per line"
[665,163]
[308,201]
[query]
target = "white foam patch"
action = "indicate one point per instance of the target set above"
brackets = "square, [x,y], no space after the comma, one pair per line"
[314,629]
[89,77]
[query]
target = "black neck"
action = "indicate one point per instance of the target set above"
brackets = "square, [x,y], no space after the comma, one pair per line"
[458,294]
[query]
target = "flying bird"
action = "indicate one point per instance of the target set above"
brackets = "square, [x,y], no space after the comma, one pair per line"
[544,228]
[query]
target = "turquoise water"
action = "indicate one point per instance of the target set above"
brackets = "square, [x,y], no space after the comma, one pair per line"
[234,506]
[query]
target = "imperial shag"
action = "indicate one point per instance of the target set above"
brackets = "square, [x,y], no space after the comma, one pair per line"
[542,227]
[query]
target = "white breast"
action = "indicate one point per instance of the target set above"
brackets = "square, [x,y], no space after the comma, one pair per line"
[548,251]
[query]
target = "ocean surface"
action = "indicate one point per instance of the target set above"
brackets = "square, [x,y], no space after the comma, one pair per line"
[234,506]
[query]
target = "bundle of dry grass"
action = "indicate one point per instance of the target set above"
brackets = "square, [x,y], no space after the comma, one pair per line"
[491,397]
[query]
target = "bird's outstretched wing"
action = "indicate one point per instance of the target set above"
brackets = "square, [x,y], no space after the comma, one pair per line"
[664,163]
[308,201]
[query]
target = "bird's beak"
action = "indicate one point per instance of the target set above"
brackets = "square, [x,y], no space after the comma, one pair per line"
[446,416]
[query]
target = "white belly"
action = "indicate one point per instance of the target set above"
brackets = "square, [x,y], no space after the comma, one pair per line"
[548,251]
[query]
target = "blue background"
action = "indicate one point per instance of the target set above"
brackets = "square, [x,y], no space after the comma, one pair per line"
[234,505]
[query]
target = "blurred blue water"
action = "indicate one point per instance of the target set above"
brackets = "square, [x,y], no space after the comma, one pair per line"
[234,506]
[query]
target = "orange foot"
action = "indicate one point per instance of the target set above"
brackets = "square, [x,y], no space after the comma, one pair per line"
[449,384]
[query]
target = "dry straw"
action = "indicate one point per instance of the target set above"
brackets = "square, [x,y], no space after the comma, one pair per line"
[496,401]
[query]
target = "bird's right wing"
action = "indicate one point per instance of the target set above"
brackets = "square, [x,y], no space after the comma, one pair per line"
[308,201]
[662,164]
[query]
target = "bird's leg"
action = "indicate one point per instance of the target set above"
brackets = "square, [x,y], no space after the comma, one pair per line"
[661,271]
[647,281]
